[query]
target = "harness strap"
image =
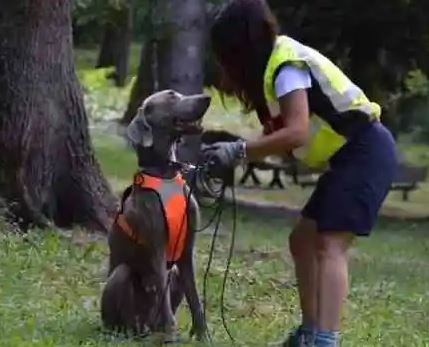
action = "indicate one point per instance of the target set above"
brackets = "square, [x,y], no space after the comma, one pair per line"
[122,222]
[126,228]
[125,195]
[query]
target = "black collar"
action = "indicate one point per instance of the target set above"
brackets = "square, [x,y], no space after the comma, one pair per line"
[155,165]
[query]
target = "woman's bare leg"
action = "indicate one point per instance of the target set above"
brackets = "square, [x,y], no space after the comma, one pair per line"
[332,279]
[302,243]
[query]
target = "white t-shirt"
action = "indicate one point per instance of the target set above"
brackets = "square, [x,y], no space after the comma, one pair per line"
[291,78]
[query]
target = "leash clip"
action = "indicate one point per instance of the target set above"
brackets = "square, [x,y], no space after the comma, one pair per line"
[186,167]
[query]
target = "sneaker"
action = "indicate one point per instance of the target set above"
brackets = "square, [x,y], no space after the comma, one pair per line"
[297,338]
[327,339]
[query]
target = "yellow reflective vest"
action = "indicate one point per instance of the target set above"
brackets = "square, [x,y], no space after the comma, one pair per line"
[333,85]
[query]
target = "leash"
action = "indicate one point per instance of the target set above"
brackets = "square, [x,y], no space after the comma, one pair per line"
[200,174]
[218,215]
[219,196]
[228,263]
[184,217]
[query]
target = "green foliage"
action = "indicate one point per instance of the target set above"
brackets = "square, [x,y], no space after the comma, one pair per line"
[88,20]
[416,84]
[414,106]
[118,161]
[88,11]
[95,79]
[376,42]
[90,16]
[419,114]
[103,101]
[86,58]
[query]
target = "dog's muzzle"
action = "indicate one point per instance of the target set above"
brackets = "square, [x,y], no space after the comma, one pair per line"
[188,128]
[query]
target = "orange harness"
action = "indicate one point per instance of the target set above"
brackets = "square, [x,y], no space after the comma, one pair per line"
[172,197]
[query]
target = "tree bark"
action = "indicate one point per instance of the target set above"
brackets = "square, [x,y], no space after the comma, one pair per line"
[145,83]
[180,31]
[116,44]
[172,56]
[48,171]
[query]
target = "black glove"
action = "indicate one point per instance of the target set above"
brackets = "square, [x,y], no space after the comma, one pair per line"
[224,156]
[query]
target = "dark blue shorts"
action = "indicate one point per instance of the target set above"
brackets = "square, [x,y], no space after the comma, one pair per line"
[349,195]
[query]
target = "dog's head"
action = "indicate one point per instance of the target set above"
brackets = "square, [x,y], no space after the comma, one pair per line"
[167,115]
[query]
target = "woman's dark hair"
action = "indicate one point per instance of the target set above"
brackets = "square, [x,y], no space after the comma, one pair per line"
[243,36]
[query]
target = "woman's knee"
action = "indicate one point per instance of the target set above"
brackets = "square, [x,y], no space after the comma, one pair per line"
[333,245]
[295,243]
[301,240]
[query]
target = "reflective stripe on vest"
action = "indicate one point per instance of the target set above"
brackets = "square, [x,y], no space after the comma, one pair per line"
[172,194]
[343,94]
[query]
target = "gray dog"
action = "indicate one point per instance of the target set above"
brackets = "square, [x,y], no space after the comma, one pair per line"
[151,242]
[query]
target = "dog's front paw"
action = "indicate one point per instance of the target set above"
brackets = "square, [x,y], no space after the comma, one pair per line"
[172,338]
[200,333]
[164,338]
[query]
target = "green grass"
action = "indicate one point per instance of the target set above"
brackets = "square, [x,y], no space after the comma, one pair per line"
[51,286]
[119,163]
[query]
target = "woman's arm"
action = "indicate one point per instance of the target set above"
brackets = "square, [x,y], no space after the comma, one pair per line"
[295,112]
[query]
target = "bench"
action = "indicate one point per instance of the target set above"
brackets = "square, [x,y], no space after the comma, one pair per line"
[408,177]
[287,167]
[276,168]
[212,136]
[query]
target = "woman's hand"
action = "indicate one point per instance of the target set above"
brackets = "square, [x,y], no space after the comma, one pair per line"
[223,156]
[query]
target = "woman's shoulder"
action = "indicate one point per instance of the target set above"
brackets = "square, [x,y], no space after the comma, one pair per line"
[290,78]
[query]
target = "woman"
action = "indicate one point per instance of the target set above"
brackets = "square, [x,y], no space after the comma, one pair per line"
[309,109]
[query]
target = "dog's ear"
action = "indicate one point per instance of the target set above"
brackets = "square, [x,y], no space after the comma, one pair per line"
[139,131]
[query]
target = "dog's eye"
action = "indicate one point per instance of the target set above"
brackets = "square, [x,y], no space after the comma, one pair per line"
[172,96]
[148,109]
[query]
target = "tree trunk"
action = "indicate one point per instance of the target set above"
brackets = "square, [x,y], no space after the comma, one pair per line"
[174,58]
[107,55]
[145,83]
[116,45]
[48,171]
[180,29]
[147,76]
